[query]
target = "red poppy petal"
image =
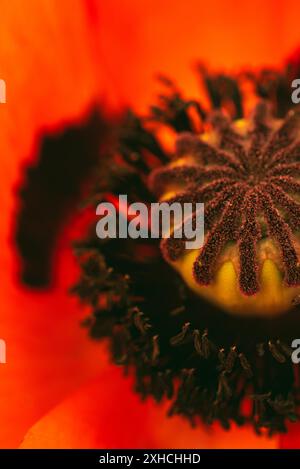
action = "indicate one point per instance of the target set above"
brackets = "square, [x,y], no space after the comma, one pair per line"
[170,36]
[291,440]
[108,414]
[48,61]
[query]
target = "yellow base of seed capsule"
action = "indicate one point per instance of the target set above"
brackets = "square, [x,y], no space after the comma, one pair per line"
[273,298]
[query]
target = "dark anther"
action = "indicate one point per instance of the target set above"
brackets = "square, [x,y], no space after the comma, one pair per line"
[285,407]
[180,338]
[188,375]
[207,345]
[197,342]
[276,353]
[177,311]
[140,321]
[155,350]
[230,359]
[287,350]
[221,358]
[245,365]
[260,397]
[119,348]
[223,388]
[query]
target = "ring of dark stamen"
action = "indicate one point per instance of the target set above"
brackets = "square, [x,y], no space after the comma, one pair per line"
[180,347]
[184,349]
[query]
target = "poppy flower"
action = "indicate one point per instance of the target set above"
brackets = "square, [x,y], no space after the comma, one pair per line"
[63,125]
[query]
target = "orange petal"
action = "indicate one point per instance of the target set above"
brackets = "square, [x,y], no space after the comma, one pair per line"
[108,414]
[170,36]
[48,353]
[49,64]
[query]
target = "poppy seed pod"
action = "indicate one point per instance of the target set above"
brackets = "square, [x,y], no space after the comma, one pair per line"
[246,173]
